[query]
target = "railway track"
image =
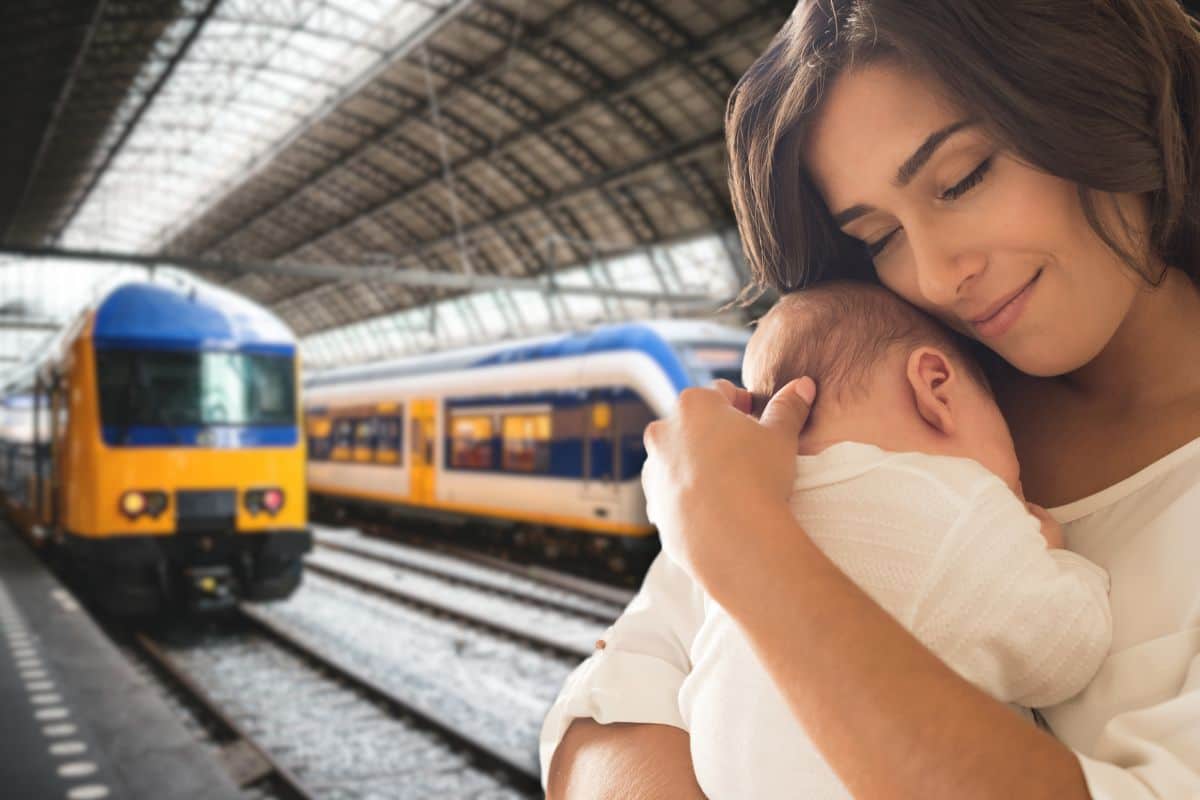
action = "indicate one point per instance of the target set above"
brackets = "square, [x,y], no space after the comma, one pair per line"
[320,725]
[568,628]
[568,592]
[251,765]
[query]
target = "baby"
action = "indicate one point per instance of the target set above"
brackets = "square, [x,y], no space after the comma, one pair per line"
[907,479]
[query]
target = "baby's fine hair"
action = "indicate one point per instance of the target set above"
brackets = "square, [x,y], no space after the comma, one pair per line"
[837,333]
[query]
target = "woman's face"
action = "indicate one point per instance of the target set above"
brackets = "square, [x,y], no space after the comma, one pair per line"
[996,249]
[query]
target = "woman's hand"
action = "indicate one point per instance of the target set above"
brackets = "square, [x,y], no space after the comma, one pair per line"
[713,474]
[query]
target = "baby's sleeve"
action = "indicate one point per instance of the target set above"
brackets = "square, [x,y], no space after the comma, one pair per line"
[1028,624]
[640,662]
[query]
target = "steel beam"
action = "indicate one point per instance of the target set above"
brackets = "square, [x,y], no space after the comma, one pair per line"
[56,113]
[337,273]
[10,322]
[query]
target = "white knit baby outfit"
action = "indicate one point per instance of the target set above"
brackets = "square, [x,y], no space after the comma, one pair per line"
[949,551]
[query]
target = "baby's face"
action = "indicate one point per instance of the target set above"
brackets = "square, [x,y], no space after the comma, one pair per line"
[983,434]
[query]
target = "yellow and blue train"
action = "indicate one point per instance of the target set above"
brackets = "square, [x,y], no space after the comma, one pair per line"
[541,439]
[159,451]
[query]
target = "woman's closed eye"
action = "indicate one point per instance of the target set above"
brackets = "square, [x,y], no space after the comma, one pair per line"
[968,183]
[973,179]
[878,246]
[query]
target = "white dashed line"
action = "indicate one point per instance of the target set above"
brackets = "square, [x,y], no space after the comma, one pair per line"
[77,769]
[60,729]
[67,748]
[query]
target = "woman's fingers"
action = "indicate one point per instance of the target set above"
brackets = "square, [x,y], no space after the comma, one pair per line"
[738,398]
[787,412]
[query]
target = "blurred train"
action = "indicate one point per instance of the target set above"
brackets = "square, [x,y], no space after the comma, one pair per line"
[541,439]
[158,452]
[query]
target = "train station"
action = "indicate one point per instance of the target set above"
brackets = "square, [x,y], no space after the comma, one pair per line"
[328,335]
[599,399]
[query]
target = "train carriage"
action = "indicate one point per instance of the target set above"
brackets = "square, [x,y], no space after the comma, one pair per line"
[543,437]
[164,458]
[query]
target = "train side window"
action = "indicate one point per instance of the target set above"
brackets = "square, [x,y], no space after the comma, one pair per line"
[320,439]
[364,438]
[526,442]
[598,452]
[398,431]
[632,415]
[388,432]
[343,438]
[471,442]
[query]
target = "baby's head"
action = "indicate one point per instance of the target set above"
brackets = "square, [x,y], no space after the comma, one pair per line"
[886,374]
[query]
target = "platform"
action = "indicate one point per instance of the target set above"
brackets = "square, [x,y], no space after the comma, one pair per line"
[79,721]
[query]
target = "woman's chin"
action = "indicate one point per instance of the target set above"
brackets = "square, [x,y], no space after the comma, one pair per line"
[1043,362]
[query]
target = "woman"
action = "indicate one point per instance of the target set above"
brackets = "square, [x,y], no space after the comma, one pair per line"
[1028,172]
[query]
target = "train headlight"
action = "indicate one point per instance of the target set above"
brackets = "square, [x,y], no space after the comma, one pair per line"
[156,503]
[136,503]
[268,500]
[273,500]
[133,504]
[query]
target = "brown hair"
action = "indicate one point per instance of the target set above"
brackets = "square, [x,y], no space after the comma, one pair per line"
[838,333]
[1103,93]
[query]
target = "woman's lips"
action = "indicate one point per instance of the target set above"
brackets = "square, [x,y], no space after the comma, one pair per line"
[1007,315]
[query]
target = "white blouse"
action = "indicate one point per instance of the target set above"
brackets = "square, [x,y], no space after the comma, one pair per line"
[1136,728]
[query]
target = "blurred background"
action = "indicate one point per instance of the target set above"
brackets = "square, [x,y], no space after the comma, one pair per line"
[328,333]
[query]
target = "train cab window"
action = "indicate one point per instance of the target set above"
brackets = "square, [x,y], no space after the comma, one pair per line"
[471,442]
[526,442]
[166,388]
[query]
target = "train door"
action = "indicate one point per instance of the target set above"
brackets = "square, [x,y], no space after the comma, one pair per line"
[422,447]
[49,417]
[601,456]
[58,448]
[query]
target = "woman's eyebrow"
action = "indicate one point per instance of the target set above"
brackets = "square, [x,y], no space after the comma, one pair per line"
[908,170]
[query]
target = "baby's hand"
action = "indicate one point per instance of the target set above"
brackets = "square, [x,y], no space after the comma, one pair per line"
[1051,530]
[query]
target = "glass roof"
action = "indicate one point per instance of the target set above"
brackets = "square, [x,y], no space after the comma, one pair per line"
[699,266]
[257,71]
[225,93]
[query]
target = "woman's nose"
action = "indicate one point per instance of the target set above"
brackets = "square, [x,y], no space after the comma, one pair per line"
[946,269]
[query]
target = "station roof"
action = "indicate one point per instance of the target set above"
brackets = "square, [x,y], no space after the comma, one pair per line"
[345,162]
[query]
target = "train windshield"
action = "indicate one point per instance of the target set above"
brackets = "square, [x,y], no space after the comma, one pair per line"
[195,388]
[707,362]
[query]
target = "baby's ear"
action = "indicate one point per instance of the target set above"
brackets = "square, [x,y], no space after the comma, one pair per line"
[932,377]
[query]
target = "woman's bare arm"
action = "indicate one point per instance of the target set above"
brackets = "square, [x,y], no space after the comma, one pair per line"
[888,716]
[638,762]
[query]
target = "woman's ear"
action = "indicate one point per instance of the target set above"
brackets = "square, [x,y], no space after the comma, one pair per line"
[933,379]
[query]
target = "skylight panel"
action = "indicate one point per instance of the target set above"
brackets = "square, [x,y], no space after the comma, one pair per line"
[259,71]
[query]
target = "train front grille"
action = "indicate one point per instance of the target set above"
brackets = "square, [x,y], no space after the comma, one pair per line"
[205,510]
